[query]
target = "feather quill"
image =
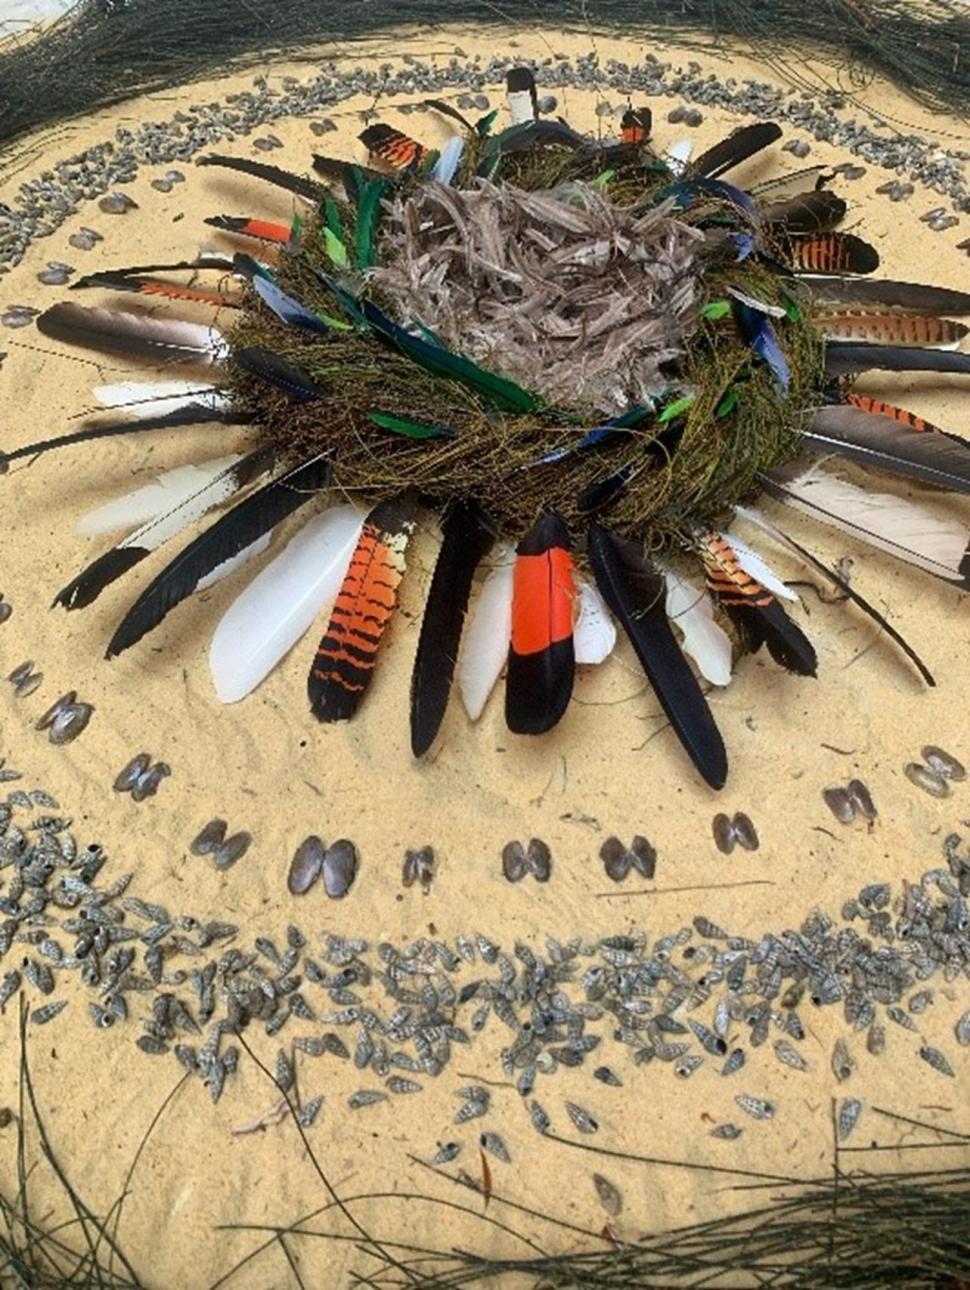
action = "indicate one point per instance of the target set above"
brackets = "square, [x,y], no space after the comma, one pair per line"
[156,398]
[140,335]
[467,537]
[740,146]
[281,603]
[230,534]
[298,184]
[914,296]
[813,562]
[690,610]
[875,440]
[485,640]
[168,490]
[107,568]
[844,358]
[636,594]
[904,529]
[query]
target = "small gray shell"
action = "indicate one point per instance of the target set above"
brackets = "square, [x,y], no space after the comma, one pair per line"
[339,868]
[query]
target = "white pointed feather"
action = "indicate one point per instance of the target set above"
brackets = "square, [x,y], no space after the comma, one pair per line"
[753,564]
[677,155]
[154,499]
[904,529]
[156,398]
[485,639]
[235,562]
[448,159]
[594,635]
[282,601]
[690,610]
[213,493]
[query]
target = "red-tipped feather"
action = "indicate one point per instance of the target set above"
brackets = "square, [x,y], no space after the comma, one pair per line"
[262,229]
[542,660]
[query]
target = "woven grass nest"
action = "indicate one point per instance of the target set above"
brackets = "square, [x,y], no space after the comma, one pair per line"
[586,357]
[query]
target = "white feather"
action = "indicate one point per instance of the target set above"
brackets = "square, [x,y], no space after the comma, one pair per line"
[485,639]
[677,155]
[594,635]
[690,610]
[902,528]
[213,493]
[448,159]
[235,562]
[282,601]
[151,500]
[753,564]
[156,398]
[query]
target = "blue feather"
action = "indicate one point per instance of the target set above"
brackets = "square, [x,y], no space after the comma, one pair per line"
[760,336]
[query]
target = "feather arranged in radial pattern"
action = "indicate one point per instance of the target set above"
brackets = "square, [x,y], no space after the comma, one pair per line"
[143,336]
[905,529]
[281,603]
[485,640]
[886,444]
[346,656]
[635,591]
[754,609]
[467,535]
[541,662]
[231,533]
[832,253]
[893,329]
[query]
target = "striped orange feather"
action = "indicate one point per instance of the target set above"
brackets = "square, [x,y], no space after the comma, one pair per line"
[725,578]
[263,229]
[878,408]
[832,253]
[635,125]
[347,653]
[393,147]
[894,329]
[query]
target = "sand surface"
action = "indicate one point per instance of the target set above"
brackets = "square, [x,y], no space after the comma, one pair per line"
[611,767]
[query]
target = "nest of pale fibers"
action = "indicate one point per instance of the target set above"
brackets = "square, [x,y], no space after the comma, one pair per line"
[564,292]
[491,291]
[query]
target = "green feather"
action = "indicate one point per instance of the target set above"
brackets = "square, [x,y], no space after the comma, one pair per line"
[335,249]
[673,410]
[332,216]
[716,309]
[729,402]
[413,429]
[368,216]
[484,125]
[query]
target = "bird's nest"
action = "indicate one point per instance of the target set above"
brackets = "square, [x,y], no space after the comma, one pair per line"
[594,300]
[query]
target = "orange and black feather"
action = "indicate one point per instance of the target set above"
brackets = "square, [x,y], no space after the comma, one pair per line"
[393,147]
[753,609]
[542,660]
[121,281]
[878,408]
[832,253]
[891,328]
[635,125]
[346,656]
[262,229]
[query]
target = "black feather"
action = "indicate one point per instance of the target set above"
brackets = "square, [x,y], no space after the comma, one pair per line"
[446,109]
[769,625]
[298,184]
[814,212]
[278,371]
[916,297]
[248,521]
[223,263]
[142,335]
[844,358]
[635,593]
[467,536]
[875,440]
[194,415]
[347,174]
[107,568]
[737,147]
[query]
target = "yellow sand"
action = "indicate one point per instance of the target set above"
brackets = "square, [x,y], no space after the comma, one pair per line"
[611,767]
